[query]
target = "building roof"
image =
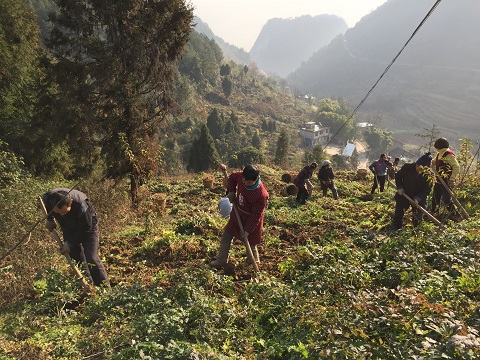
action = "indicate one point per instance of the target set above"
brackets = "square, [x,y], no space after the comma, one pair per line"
[349,149]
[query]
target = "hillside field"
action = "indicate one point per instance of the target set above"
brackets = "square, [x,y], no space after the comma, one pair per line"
[334,282]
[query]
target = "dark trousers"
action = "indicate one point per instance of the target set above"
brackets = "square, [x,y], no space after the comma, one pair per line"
[86,254]
[441,193]
[400,206]
[331,186]
[379,179]
[302,195]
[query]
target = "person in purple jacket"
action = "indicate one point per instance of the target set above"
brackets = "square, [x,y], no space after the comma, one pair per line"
[379,170]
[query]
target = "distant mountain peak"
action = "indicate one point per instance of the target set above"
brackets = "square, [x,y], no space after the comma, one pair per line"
[283,44]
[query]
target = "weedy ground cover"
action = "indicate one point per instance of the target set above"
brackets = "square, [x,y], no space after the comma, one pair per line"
[334,282]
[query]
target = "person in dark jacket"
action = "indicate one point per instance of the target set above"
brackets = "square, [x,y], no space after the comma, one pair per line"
[78,220]
[302,182]
[326,176]
[412,180]
[379,170]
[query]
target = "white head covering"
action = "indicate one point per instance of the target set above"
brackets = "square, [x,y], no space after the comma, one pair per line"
[326,162]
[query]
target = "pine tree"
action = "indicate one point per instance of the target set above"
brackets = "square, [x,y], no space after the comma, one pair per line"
[256,141]
[264,124]
[215,124]
[115,66]
[225,70]
[20,50]
[203,154]
[229,127]
[281,151]
[234,119]
[316,154]
[227,86]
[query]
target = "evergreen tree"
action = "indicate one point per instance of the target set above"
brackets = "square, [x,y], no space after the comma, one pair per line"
[203,154]
[264,124]
[335,114]
[225,70]
[227,86]
[215,124]
[200,60]
[234,119]
[20,53]
[246,156]
[256,142]
[316,154]
[281,151]
[229,127]
[115,65]
[272,126]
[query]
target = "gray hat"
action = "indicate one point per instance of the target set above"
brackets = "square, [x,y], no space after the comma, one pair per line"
[326,162]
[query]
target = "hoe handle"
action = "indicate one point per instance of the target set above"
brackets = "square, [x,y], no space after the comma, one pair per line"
[430,216]
[463,212]
[413,203]
[245,240]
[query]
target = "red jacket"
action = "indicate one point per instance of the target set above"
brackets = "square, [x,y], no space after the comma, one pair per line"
[251,207]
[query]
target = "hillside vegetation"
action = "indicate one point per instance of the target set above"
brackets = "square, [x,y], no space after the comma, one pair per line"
[333,281]
[123,120]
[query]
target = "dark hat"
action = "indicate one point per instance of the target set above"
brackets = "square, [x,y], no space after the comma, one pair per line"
[425,160]
[313,165]
[441,143]
[250,172]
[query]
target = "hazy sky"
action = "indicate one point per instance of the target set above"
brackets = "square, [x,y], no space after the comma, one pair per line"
[239,22]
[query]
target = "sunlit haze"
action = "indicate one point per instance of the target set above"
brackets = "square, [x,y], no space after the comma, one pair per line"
[239,22]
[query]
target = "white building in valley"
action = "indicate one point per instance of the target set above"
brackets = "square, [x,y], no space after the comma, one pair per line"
[314,133]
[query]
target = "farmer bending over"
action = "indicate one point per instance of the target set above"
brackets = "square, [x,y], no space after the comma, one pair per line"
[78,219]
[246,190]
[412,181]
[302,182]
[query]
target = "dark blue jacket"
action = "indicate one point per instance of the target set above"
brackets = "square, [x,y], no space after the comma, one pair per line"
[79,221]
[414,184]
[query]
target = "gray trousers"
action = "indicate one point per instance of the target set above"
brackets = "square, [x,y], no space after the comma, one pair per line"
[225,245]
[86,254]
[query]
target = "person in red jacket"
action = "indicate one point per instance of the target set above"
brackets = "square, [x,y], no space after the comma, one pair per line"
[246,190]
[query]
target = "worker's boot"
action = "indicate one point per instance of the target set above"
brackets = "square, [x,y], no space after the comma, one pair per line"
[222,257]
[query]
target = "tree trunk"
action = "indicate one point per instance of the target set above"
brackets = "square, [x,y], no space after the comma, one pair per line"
[134,184]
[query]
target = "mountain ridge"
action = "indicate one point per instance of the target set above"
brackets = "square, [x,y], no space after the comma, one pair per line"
[283,44]
[436,70]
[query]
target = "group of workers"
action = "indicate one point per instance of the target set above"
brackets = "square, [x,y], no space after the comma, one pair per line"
[412,180]
[77,217]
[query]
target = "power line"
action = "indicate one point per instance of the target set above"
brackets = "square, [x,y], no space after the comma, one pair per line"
[386,69]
